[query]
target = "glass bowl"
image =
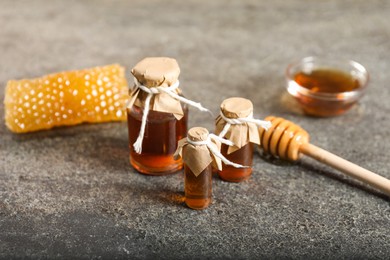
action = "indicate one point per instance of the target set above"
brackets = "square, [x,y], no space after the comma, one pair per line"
[326,87]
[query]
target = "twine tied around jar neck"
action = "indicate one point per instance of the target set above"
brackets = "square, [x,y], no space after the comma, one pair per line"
[235,122]
[214,151]
[238,121]
[170,90]
[200,148]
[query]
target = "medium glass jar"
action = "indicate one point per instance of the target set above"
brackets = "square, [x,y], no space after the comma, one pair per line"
[236,124]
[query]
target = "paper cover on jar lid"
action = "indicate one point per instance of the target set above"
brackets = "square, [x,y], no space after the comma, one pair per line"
[162,97]
[200,137]
[152,73]
[197,157]
[236,123]
[156,71]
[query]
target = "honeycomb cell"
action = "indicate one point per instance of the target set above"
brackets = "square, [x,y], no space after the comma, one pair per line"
[65,99]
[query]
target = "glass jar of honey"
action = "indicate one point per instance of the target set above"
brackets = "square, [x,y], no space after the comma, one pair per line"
[156,118]
[197,173]
[200,152]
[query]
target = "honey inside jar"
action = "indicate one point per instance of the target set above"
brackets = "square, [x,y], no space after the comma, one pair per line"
[198,189]
[160,141]
[327,81]
[243,157]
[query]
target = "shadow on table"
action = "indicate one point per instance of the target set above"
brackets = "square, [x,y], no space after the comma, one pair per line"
[103,144]
[165,189]
[148,191]
[335,175]
[56,132]
[110,152]
[102,147]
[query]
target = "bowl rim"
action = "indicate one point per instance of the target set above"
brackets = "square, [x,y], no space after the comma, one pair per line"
[339,96]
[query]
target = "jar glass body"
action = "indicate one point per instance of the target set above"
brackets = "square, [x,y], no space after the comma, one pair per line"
[243,156]
[198,189]
[162,132]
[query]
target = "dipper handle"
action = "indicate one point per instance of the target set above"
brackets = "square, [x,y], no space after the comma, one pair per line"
[288,141]
[350,169]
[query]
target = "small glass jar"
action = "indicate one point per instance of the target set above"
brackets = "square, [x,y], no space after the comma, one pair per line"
[198,167]
[166,120]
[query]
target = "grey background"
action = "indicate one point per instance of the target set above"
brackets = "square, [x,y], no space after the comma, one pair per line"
[70,192]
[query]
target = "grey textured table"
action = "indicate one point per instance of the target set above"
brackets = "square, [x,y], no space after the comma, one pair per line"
[71,193]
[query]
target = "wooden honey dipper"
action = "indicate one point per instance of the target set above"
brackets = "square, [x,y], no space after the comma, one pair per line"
[288,141]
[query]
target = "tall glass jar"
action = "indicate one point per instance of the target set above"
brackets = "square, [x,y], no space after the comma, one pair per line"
[153,136]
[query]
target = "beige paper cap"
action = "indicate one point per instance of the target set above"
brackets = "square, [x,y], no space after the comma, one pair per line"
[156,71]
[198,157]
[236,107]
[197,134]
[239,134]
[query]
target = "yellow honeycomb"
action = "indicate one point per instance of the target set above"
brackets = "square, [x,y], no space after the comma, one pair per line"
[66,98]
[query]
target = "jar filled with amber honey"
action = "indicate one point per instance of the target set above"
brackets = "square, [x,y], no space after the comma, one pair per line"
[157,115]
[156,120]
[197,167]
[200,151]
[236,124]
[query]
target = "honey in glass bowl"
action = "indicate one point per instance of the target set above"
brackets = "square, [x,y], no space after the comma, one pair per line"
[326,87]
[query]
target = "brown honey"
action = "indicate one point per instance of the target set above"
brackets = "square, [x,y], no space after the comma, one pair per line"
[198,189]
[243,156]
[162,133]
[326,88]
[327,81]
